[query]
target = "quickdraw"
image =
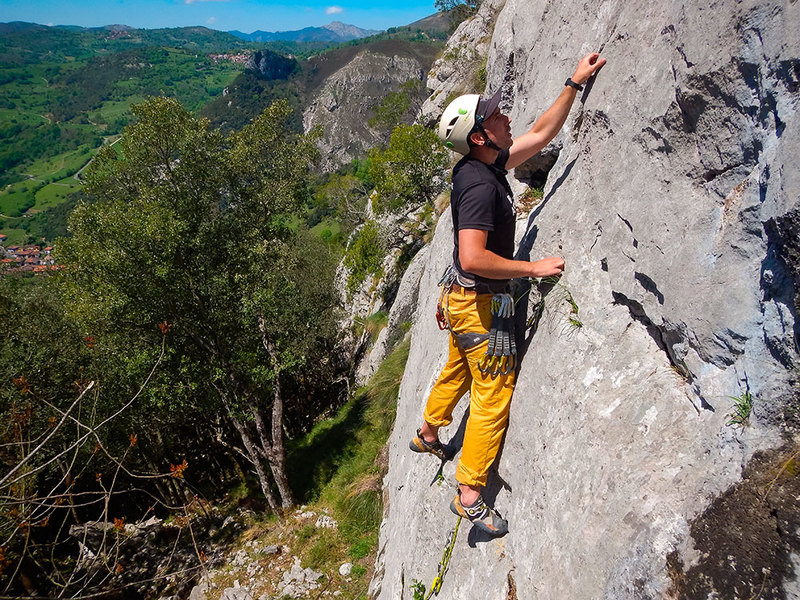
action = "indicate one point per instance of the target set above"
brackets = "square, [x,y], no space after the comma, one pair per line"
[501,355]
[447,279]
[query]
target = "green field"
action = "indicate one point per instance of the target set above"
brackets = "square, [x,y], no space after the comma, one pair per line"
[55,193]
[112,110]
[15,237]
[16,198]
[61,166]
[49,182]
[15,116]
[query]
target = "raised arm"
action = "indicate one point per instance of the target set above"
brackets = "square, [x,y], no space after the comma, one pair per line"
[549,124]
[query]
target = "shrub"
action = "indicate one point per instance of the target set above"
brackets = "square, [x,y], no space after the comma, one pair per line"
[365,255]
[409,172]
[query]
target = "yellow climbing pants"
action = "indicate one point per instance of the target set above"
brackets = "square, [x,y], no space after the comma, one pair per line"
[490,395]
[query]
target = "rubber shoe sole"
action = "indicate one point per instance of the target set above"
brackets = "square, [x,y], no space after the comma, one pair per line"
[481,516]
[418,444]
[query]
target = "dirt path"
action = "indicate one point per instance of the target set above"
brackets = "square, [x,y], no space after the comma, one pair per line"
[77,175]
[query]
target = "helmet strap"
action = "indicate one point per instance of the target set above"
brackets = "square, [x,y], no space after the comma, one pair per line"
[488,141]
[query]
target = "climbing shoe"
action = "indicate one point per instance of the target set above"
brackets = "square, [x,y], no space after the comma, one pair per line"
[483,517]
[418,444]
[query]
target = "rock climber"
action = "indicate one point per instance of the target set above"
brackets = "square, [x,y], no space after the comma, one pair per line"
[483,234]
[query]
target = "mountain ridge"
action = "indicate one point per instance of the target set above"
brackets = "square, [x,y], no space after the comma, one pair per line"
[335,31]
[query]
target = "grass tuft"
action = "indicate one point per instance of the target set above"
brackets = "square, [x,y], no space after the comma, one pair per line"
[742,406]
[374,323]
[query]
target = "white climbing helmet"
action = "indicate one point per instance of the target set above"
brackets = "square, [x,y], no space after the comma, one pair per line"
[459,119]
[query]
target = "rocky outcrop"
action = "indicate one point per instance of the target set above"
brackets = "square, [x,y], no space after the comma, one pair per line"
[343,102]
[673,196]
[270,65]
[392,289]
[403,311]
[150,558]
[462,67]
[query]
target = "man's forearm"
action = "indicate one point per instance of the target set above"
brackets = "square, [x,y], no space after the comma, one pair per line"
[553,119]
[486,263]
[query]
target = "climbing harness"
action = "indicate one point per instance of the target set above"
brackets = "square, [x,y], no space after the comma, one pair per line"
[501,355]
[436,586]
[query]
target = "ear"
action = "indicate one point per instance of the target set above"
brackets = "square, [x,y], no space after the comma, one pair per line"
[476,137]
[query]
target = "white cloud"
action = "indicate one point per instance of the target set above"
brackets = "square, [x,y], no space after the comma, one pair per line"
[334,10]
[211,20]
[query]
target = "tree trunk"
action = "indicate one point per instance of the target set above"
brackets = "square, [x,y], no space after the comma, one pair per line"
[176,496]
[163,487]
[273,448]
[252,451]
[253,454]
[275,458]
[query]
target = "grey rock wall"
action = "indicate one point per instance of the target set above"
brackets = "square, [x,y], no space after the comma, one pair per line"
[403,311]
[458,70]
[674,200]
[343,104]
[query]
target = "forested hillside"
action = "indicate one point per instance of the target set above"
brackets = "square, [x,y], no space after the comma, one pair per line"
[67,91]
[181,377]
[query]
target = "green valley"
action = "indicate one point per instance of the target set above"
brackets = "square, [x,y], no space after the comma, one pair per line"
[65,92]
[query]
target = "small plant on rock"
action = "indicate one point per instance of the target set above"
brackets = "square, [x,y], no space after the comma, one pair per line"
[418,589]
[530,198]
[561,294]
[742,406]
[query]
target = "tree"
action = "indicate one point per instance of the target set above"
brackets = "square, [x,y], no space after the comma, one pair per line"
[396,106]
[457,10]
[409,172]
[346,196]
[195,234]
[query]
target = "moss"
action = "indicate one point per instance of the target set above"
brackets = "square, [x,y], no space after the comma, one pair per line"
[747,536]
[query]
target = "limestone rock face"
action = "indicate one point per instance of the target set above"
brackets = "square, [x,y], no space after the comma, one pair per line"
[343,104]
[674,198]
[270,65]
[389,290]
[403,311]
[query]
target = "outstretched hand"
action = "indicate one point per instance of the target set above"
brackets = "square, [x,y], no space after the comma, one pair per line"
[588,66]
[547,267]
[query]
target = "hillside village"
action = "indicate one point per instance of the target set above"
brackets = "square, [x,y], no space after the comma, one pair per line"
[26,259]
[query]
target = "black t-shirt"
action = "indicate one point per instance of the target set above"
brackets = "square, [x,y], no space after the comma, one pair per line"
[482,199]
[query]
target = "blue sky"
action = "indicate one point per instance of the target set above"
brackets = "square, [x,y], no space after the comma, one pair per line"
[225,15]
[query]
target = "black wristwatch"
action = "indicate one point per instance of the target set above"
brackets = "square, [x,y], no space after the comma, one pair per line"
[571,83]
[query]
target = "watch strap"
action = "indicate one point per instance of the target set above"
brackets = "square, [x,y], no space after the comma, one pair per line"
[572,84]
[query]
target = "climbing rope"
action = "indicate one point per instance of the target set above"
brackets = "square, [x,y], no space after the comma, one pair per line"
[436,586]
